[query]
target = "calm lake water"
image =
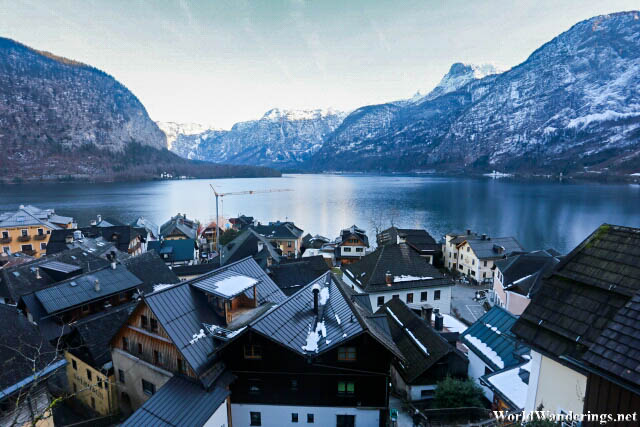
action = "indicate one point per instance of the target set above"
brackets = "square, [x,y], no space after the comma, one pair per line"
[540,215]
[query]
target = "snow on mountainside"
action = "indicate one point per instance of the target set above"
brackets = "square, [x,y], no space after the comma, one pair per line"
[283,138]
[173,129]
[573,104]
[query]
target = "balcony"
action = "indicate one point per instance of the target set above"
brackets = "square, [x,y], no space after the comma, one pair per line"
[40,236]
[24,238]
[29,252]
[5,240]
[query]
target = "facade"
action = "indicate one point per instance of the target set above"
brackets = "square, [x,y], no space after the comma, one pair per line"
[286,237]
[398,271]
[450,250]
[477,257]
[352,245]
[28,229]
[93,387]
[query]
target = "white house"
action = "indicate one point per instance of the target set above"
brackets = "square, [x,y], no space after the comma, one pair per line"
[476,257]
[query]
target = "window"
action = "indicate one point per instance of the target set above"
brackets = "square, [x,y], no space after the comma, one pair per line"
[154,325]
[5,234]
[252,351]
[139,348]
[436,295]
[410,297]
[43,246]
[122,296]
[347,249]
[485,263]
[144,322]
[468,248]
[423,296]
[473,262]
[6,249]
[427,394]
[121,375]
[294,384]
[289,244]
[395,296]
[25,232]
[256,418]
[89,375]
[125,344]
[309,418]
[93,403]
[26,248]
[294,417]
[380,301]
[473,273]
[40,232]
[74,364]
[346,388]
[346,421]
[181,366]
[347,354]
[99,382]
[359,249]
[157,357]
[148,388]
[85,308]
[460,266]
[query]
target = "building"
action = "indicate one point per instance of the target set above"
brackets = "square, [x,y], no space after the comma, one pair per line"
[188,272]
[250,243]
[428,356]
[29,366]
[516,279]
[398,271]
[420,240]
[450,248]
[94,245]
[241,222]
[509,387]
[29,228]
[492,346]
[327,252]
[573,325]
[125,238]
[308,361]
[293,275]
[175,251]
[476,257]
[313,242]
[153,231]
[177,330]
[179,227]
[17,280]
[285,235]
[352,245]
[208,234]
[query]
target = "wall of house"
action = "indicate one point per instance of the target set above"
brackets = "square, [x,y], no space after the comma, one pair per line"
[15,241]
[516,303]
[280,415]
[498,289]
[104,396]
[477,369]
[443,304]
[559,387]
[220,417]
[415,392]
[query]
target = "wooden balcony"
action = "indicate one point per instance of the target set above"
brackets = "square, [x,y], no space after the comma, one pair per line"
[24,238]
[40,237]
[5,240]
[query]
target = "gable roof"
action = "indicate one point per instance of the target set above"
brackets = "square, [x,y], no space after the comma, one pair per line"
[177,250]
[418,239]
[493,247]
[294,324]
[511,384]
[179,224]
[150,226]
[359,233]
[584,292]
[246,244]
[490,338]
[151,270]
[408,268]
[279,230]
[523,272]
[291,276]
[420,344]
[120,235]
[30,215]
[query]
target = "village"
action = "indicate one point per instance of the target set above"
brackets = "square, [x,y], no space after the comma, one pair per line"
[238,322]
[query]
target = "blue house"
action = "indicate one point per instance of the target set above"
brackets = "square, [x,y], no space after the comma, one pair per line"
[175,252]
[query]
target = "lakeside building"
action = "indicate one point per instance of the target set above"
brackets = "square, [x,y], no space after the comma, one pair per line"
[420,240]
[179,227]
[126,239]
[284,235]
[351,245]
[29,228]
[398,271]
[175,251]
[153,231]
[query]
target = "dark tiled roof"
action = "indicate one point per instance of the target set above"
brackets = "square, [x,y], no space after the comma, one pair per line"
[405,325]
[180,402]
[523,272]
[194,270]
[418,239]
[120,235]
[149,268]
[400,260]
[246,244]
[179,224]
[176,250]
[354,231]
[148,225]
[315,242]
[291,276]
[497,346]
[585,291]
[494,247]
[278,230]
[22,279]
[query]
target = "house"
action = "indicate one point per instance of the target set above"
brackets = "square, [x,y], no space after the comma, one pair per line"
[308,361]
[126,239]
[313,242]
[250,243]
[351,245]
[29,366]
[177,330]
[94,245]
[285,235]
[208,233]
[509,386]
[175,251]
[17,280]
[573,325]
[188,272]
[327,252]
[420,240]
[153,231]
[516,279]
[398,271]
[429,357]
[450,248]
[241,222]
[179,227]
[90,374]
[291,276]
[476,257]
[151,270]
[28,229]
[492,346]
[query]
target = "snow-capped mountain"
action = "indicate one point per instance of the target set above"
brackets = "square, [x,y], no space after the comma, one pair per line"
[172,130]
[573,104]
[281,138]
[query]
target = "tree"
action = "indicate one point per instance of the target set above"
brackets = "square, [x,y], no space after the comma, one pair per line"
[228,236]
[456,393]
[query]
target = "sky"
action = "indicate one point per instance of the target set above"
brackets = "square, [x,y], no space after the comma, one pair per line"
[218,62]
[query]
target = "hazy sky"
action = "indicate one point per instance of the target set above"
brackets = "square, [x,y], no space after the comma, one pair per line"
[218,62]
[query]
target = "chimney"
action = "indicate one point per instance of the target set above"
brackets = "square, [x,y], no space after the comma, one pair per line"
[68,238]
[96,285]
[113,262]
[38,276]
[426,312]
[484,237]
[468,232]
[438,322]
[99,219]
[316,292]
[388,278]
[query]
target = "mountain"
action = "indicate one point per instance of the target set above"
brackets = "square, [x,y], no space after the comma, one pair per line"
[281,138]
[173,130]
[573,105]
[61,119]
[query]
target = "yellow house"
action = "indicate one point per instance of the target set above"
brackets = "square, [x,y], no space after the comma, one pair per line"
[91,386]
[28,229]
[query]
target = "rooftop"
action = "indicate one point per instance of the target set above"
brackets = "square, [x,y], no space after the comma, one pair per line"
[278,230]
[523,272]
[179,224]
[31,215]
[290,276]
[493,247]
[175,250]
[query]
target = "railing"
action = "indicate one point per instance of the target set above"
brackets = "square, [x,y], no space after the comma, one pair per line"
[5,240]
[30,252]
[40,236]
[24,238]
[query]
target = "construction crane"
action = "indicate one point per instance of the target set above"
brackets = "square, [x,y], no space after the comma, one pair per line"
[237,193]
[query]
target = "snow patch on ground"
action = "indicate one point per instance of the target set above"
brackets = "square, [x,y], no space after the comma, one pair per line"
[584,121]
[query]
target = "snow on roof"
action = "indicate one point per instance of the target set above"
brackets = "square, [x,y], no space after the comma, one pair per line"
[422,347]
[453,324]
[394,316]
[324,295]
[511,385]
[160,287]
[486,350]
[234,285]
[409,278]
[313,337]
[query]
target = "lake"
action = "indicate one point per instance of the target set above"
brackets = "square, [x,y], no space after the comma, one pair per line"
[539,214]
